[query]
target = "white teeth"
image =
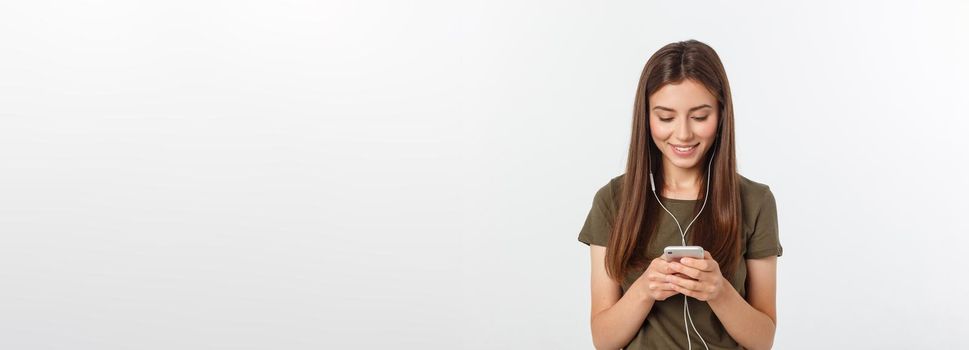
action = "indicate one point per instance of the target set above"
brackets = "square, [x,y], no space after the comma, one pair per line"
[683,149]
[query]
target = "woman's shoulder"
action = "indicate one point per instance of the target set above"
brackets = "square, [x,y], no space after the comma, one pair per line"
[615,183]
[754,197]
[609,192]
[750,189]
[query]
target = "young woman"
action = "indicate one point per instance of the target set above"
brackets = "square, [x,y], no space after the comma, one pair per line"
[681,187]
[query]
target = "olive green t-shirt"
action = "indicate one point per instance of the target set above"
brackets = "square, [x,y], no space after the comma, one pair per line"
[663,327]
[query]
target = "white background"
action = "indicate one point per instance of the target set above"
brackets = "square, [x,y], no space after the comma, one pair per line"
[306,175]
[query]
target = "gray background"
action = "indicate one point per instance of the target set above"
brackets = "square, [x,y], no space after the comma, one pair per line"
[305,175]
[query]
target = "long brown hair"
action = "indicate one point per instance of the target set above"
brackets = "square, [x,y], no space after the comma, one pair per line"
[717,229]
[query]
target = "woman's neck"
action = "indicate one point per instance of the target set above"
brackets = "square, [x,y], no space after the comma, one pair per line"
[681,183]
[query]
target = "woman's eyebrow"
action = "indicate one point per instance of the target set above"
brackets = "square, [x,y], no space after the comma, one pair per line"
[691,109]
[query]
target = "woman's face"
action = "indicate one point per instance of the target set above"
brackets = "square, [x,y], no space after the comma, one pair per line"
[683,119]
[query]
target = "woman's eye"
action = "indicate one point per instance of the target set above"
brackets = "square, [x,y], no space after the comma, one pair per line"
[701,118]
[665,119]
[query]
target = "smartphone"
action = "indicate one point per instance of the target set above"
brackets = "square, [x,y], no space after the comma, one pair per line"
[675,252]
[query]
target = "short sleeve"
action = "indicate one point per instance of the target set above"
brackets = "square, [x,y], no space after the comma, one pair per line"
[598,224]
[765,240]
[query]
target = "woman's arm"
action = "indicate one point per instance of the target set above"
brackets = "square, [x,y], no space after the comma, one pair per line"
[615,320]
[751,325]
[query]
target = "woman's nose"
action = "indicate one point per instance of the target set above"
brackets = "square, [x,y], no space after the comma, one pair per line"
[683,132]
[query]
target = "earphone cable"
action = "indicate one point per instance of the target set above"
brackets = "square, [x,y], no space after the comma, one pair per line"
[686,307]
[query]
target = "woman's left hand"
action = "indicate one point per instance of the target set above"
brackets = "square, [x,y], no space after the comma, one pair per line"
[706,282]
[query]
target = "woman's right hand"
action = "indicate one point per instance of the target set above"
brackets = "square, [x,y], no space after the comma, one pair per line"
[654,281]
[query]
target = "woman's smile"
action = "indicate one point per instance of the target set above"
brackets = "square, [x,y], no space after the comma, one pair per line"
[684,151]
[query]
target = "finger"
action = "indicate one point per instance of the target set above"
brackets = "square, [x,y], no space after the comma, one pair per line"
[686,270]
[708,261]
[669,293]
[685,283]
[657,276]
[660,286]
[666,269]
[702,265]
[686,292]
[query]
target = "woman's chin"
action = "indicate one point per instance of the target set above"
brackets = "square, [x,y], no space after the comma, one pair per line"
[685,164]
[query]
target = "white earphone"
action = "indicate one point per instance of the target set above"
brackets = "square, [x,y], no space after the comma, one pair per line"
[652,184]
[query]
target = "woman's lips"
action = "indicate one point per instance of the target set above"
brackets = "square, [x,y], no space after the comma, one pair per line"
[684,152]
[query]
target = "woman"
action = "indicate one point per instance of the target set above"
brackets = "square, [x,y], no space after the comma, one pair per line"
[683,138]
